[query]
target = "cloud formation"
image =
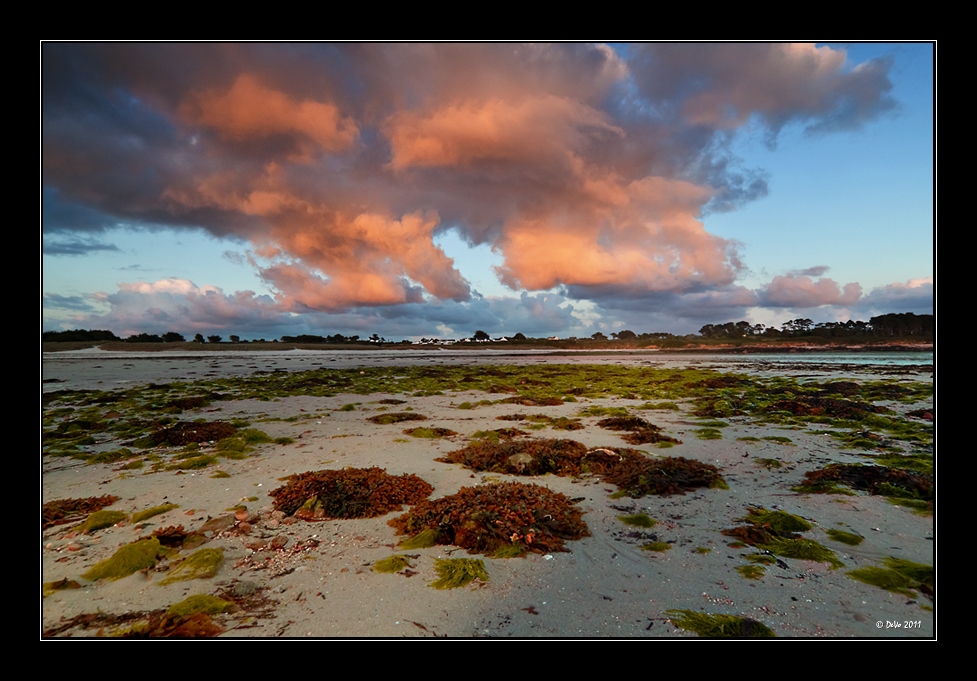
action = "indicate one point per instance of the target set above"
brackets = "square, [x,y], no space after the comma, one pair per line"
[340,164]
[799,291]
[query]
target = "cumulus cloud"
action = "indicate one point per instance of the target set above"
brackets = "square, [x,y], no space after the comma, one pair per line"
[176,304]
[914,295]
[798,291]
[340,164]
[723,86]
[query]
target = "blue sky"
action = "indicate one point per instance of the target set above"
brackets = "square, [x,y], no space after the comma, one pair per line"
[434,190]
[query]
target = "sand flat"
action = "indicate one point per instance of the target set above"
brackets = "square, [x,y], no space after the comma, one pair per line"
[605,586]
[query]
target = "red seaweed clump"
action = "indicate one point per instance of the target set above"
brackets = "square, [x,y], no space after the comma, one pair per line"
[637,477]
[188,432]
[877,480]
[639,430]
[348,493]
[535,457]
[810,405]
[493,518]
[63,511]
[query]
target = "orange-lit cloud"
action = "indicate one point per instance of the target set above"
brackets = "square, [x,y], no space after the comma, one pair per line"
[249,110]
[341,164]
[542,130]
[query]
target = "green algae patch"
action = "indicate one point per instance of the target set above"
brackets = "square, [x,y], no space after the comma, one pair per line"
[193,463]
[508,551]
[396,417]
[845,537]
[659,406]
[201,564]
[113,456]
[603,411]
[919,506]
[708,434]
[900,575]
[100,520]
[780,522]
[422,540]
[638,520]
[391,564]
[657,546]
[803,549]
[776,532]
[200,603]
[457,572]
[780,439]
[148,513]
[128,559]
[429,433]
[719,626]
[754,572]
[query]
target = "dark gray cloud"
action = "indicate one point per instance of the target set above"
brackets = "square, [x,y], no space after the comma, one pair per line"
[75,245]
[77,303]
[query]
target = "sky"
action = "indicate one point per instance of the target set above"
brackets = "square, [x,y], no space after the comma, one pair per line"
[432,190]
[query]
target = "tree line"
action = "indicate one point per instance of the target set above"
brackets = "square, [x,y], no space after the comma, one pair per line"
[895,325]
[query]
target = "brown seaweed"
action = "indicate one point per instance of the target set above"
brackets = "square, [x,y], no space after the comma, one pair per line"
[188,432]
[63,511]
[496,518]
[348,493]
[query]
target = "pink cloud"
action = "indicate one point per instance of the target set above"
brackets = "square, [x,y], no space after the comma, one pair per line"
[249,110]
[803,292]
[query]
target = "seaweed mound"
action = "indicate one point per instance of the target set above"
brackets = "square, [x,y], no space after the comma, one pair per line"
[877,480]
[348,493]
[810,405]
[396,417]
[185,433]
[639,430]
[640,476]
[504,519]
[536,457]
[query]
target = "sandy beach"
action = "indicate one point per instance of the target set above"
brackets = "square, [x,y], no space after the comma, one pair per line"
[291,578]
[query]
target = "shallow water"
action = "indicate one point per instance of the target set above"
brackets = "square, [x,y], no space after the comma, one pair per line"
[96,369]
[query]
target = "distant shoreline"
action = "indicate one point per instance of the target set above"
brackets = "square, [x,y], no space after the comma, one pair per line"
[553,347]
